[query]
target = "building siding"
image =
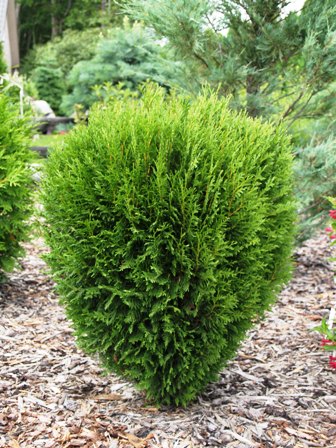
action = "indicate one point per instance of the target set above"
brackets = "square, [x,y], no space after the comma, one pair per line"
[9,33]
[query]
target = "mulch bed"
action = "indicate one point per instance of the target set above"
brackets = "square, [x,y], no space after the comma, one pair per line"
[278,392]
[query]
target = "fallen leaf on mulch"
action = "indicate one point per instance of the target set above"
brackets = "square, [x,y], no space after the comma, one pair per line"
[135,441]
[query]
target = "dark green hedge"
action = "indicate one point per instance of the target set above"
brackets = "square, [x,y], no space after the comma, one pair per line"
[3,65]
[170,226]
[15,183]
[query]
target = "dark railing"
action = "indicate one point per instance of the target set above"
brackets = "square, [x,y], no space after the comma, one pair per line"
[46,125]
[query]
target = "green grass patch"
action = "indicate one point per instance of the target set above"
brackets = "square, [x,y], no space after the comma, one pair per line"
[48,140]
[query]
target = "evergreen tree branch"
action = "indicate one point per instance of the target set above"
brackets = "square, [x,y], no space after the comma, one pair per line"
[291,107]
[299,113]
[201,59]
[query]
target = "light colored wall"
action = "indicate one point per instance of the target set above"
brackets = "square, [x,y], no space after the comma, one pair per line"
[13,35]
[3,29]
[6,46]
[9,33]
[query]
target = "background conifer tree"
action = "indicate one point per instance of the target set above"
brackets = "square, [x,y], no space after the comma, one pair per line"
[129,55]
[272,62]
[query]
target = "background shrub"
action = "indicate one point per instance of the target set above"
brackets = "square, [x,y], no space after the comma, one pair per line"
[72,47]
[15,183]
[49,81]
[170,226]
[129,55]
[50,64]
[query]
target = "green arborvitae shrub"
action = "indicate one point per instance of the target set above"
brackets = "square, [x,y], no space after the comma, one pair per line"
[15,183]
[170,222]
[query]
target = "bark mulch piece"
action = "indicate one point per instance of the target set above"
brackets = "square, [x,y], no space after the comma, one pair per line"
[278,392]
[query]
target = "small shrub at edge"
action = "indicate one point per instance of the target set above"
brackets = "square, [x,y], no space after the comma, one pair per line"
[15,184]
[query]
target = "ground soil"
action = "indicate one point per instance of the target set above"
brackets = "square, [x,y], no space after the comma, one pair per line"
[278,392]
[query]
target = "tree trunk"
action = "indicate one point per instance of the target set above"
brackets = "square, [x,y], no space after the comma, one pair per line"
[55,22]
[252,90]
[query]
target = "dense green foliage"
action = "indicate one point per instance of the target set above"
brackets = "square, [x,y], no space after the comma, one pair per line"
[43,20]
[49,82]
[79,61]
[50,64]
[271,62]
[276,65]
[66,50]
[170,223]
[15,181]
[129,55]
[3,65]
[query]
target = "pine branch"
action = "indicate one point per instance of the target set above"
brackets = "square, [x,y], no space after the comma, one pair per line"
[292,106]
[194,53]
[201,59]
[299,113]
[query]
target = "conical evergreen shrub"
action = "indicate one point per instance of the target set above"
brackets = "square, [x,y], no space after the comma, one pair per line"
[15,183]
[170,222]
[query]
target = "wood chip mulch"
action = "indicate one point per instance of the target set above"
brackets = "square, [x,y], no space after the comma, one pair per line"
[278,392]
